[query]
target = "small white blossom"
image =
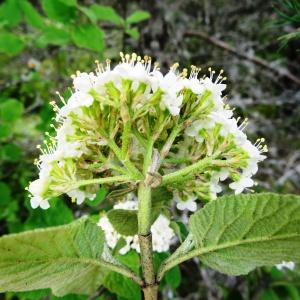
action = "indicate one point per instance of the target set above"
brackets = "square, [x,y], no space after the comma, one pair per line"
[286,265]
[239,186]
[77,100]
[188,204]
[84,82]
[37,188]
[162,234]
[37,201]
[80,195]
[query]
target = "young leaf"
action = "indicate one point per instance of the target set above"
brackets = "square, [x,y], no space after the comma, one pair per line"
[133,32]
[11,110]
[124,221]
[138,16]
[31,15]
[106,13]
[11,152]
[59,10]
[66,259]
[88,36]
[236,234]
[69,2]
[5,131]
[89,13]
[10,44]
[54,36]
[10,12]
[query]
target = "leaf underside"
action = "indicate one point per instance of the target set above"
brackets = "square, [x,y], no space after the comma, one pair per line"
[64,258]
[236,234]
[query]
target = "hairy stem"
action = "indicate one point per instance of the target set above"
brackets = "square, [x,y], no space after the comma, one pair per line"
[150,288]
[121,178]
[189,170]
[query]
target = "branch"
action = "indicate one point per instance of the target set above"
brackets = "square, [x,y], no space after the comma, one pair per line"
[189,170]
[282,72]
[121,178]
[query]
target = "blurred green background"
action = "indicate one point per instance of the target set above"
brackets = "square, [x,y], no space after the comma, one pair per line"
[256,42]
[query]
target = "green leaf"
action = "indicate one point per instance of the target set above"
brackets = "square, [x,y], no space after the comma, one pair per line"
[124,221]
[133,32]
[32,16]
[10,13]
[88,36]
[173,277]
[131,259]
[66,259]
[11,152]
[89,13]
[10,44]
[11,110]
[69,2]
[236,234]
[7,206]
[106,13]
[4,193]
[121,285]
[138,16]
[100,196]
[33,295]
[269,294]
[53,36]
[59,10]
[5,131]
[59,214]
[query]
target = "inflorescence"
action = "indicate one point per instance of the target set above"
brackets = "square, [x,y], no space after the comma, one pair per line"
[104,128]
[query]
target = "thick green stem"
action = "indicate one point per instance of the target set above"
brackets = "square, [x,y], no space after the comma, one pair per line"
[145,240]
[144,213]
[121,178]
[189,170]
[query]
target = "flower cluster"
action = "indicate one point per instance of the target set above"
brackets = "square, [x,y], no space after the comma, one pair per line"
[105,128]
[162,234]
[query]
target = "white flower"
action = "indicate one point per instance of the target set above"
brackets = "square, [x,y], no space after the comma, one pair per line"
[162,234]
[80,195]
[221,175]
[194,85]
[37,201]
[130,203]
[286,265]
[37,188]
[111,235]
[239,186]
[84,82]
[170,84]
[215,88]
[66,148]
[195,127]
[189,204]
[77,100]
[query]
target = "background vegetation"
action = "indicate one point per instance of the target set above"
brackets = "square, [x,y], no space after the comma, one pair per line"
[256,42]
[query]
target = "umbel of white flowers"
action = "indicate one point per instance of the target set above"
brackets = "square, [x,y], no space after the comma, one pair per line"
[102,130]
